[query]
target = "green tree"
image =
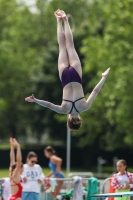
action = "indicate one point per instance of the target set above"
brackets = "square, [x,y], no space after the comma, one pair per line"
[17,66]
[110,116]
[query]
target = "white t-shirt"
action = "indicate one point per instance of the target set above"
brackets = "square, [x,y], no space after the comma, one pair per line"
[6,188]
[123,179]
[32,174]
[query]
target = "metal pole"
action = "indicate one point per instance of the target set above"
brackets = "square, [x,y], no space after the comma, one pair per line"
[99,166]
[115,159]
[68,151]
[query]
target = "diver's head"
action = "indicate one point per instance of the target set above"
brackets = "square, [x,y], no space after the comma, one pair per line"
[74,122]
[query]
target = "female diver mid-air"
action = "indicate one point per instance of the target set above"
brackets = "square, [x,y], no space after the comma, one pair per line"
[70,73]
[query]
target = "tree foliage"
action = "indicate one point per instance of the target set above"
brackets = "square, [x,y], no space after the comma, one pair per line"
[111,47]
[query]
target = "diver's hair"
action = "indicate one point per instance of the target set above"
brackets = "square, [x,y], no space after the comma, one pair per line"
[123,162]
[13,167]
[51,150]
[74,124]
[31,154]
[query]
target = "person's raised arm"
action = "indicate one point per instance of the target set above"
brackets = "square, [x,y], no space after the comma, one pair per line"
[46,104]
[18,157]
[12,154]
[97,88]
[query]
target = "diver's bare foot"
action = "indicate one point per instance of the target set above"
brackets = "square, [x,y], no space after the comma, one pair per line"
[62,13]
[56,13]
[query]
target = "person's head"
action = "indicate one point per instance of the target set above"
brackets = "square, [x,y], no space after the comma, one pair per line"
[49,151]
[31,158]
[13,167]
[121,166]
[74,123]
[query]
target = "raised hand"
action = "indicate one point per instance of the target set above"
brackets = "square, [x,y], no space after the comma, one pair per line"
[15,142]
[30,99]
[105,74]
[11,141]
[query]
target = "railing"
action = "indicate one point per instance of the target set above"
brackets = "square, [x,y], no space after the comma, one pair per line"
[105,185]
[45,194]
[82,174]
[67,186]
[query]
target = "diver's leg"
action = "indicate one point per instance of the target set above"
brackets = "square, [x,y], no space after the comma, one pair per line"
[63,61]
[72,54]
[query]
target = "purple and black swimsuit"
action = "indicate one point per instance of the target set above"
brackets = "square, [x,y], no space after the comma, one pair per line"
[71,75]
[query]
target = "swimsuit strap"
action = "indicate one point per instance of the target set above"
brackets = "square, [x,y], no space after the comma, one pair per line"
[79,99]
[73,104]
[14,182]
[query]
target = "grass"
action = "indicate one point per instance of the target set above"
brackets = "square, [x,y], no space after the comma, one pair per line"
[5,172]
[106,169]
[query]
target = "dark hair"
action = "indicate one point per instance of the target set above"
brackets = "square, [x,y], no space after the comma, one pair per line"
[31,154]
[74,124]
[13,167]
[123,162]
[50,150]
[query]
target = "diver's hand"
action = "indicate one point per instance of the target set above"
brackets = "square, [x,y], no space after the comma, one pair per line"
[30,98]
[105,74]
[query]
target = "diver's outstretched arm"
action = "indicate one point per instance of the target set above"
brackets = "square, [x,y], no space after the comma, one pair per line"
[56,108]
[97,89]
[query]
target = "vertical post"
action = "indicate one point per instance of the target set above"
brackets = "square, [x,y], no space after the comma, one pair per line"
[99,165]
[100,162]
[115,159]
[68,157]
